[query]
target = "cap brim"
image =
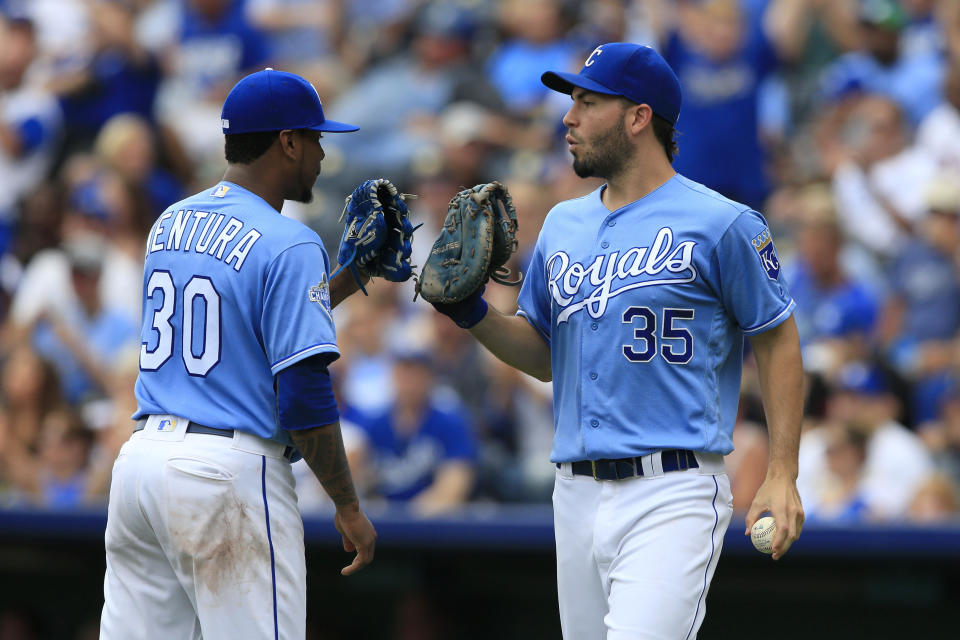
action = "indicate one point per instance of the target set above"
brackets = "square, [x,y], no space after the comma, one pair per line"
[335,127]
[565,82]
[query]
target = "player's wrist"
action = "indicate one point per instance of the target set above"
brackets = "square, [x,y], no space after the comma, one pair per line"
[349,508]
[466,313]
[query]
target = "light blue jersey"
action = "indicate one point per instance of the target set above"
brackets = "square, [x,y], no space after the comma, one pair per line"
[233,293]
[645,309]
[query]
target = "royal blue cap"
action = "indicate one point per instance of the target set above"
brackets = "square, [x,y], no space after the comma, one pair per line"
[863,378]
[633,71]
[272,100]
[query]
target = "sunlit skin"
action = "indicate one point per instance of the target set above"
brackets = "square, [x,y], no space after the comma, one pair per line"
[597,135]
[311,156]
[613,138]
[270,176]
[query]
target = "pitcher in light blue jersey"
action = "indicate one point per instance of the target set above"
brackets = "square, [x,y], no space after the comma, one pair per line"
[636,303]
[204,537]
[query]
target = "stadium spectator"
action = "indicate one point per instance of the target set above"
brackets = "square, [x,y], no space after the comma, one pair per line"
[30,124]
[835,312]
[422,450]
[516,435]
[942,435]
[297,31]
[83,338]
[722,55]
[939,133]
[897,462]
[55,475]
[126,145]
[367,384]
[534,40]
[46,287]
[921,322]
[417,86]
[936,500]
[910,77]
[879,179]
[840,491]
[109,421]
[29,390]
[922,33]
[115,75]
[213,46]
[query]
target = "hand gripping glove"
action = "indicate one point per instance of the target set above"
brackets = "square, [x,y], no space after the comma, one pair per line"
[378,235]
[479,236]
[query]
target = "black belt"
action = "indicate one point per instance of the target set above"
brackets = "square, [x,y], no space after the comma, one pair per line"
[606,469]
[193,427]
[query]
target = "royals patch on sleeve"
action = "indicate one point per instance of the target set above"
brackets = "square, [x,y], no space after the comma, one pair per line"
[763,243]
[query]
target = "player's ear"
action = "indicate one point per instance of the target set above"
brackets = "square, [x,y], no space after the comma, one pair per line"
[637,117]
[289,142]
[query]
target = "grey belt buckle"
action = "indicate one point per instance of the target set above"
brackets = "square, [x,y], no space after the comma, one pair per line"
[593,468]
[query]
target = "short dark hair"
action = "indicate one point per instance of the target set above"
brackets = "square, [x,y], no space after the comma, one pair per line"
[662,130]
[666,136]
[244,148]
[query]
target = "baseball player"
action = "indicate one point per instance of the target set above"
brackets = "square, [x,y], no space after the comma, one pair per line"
[203,537]
[635,304]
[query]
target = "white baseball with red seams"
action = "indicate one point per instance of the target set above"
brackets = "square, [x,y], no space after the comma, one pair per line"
[762,532]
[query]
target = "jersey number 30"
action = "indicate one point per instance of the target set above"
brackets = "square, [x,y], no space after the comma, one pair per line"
[199,356]
[676,342]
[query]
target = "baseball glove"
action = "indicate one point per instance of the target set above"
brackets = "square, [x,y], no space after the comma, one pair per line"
[378,234]
[479,236]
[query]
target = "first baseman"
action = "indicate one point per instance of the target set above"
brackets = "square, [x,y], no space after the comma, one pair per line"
[636,303]
[204,538]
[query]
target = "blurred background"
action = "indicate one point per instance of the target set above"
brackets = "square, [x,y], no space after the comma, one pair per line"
[839,120]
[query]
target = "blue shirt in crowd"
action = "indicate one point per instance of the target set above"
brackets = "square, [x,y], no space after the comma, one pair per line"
[515,69]
[927,282]
[407,464]
[719,143]
[913,81]
[830,312]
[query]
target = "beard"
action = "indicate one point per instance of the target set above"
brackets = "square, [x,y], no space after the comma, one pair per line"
[608,154]
[305,196]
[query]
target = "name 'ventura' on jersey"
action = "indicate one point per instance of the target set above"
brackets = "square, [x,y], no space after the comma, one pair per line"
[208,241]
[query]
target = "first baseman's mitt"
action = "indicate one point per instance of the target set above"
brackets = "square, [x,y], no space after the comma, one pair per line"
[378,234]
[479,236]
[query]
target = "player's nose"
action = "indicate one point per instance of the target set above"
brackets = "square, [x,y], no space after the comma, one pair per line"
[323,154]
[568,119]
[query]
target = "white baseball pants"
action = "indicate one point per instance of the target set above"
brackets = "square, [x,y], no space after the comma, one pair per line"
[204,539]
[635,557]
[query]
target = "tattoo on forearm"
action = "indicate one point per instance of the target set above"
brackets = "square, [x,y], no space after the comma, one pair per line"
[322,448]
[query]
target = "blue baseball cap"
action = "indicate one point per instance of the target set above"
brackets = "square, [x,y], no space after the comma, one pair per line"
[633,71]
[863,378]
[271,100]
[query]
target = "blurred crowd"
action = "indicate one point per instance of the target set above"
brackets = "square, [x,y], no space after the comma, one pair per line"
[839,120]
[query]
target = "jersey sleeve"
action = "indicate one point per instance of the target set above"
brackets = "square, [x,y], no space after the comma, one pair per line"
[534,301]
[296,321]
[751,283]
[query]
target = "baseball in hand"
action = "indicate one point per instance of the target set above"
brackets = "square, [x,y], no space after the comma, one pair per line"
[762,532]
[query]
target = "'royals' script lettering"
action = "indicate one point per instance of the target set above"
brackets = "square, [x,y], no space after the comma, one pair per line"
[663,262]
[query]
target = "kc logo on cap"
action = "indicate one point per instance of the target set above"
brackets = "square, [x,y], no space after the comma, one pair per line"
[596,52]
[633,71]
